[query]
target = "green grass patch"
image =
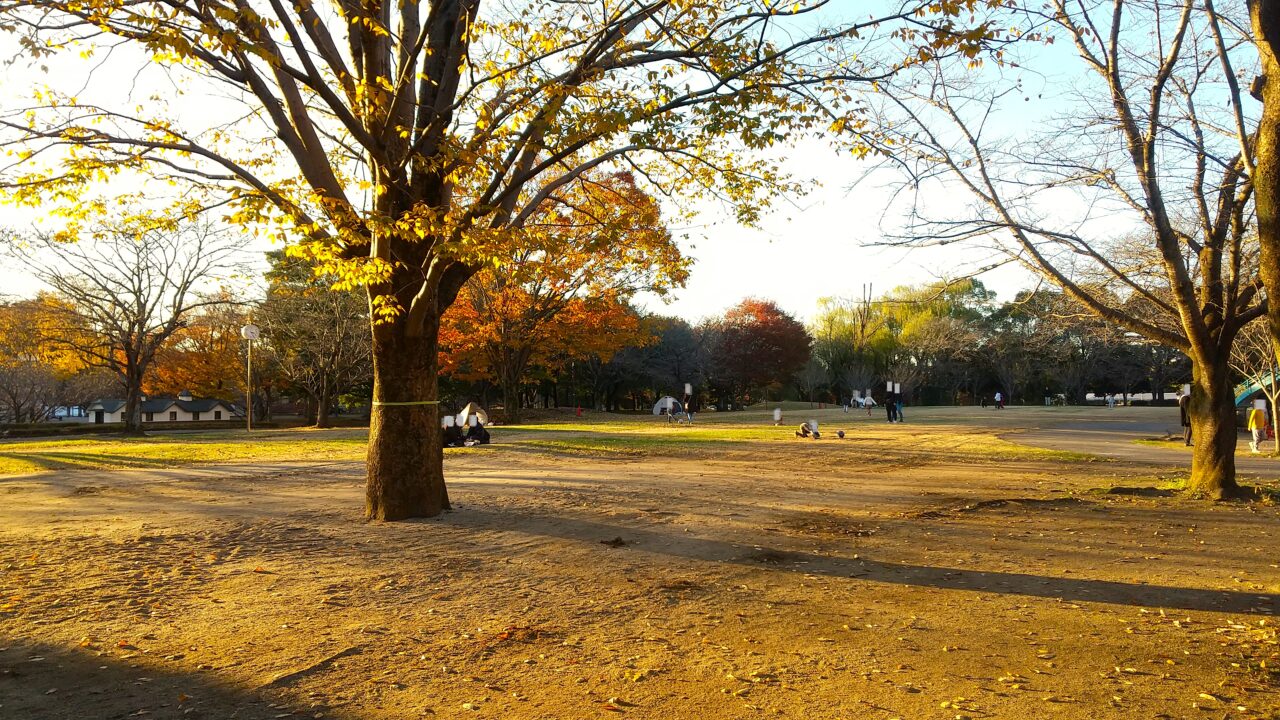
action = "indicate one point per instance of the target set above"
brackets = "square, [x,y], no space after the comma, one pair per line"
[640,438]
[620,438]
[177,450]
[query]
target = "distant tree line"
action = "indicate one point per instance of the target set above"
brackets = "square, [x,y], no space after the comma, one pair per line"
[132,312]
[516,342]
[945,344]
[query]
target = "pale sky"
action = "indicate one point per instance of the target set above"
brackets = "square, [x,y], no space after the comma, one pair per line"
[822,246]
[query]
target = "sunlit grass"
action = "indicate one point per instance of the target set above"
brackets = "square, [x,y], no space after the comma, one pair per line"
[639,438]
[176,450]
[599,436]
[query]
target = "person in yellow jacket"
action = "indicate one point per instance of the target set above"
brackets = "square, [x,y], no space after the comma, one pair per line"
[1257,427]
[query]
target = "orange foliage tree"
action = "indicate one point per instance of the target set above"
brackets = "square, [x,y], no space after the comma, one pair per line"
[755,346]
[37,371]
[565,294]
[204,356]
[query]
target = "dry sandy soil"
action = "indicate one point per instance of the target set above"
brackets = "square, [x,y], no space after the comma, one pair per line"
[863,578]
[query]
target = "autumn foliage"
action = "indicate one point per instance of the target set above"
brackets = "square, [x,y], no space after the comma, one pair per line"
[404,146]
[565,293]
[204,356]
[755,346]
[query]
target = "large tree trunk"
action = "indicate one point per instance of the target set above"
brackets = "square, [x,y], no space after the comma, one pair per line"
[322,404]
[511,366]
[1213,432]
[511,400]
[405,462]
[133,400]
[309,409]
[1265,15]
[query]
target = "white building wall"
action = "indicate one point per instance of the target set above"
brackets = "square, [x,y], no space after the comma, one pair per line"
[180,415]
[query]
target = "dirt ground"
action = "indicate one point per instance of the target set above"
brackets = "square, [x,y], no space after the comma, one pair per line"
[861,578]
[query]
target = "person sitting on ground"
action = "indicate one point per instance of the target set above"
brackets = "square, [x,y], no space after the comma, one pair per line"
[452,433]
[478,435]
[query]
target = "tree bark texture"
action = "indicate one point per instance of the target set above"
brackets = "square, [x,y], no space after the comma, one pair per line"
[1265,16]
[133,399]
[406,460]
[1213,431]
[322,405]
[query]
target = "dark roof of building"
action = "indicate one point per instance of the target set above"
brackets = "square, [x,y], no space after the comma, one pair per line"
[202,404]
[109,405]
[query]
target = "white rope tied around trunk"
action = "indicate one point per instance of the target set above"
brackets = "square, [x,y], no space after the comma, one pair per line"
[400,404]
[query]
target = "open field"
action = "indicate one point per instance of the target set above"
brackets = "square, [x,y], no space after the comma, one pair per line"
[968,564]
[601,435]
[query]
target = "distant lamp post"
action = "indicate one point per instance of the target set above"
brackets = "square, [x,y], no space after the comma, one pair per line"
[249,332]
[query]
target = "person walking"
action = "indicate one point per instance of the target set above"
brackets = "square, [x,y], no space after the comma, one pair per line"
[1257,427]
[890,408]
[1184,415]
[999,400]
[898,398]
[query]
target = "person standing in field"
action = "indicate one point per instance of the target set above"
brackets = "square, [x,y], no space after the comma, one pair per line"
[1257,428]
[890,408]
[999,400]
[1184,415]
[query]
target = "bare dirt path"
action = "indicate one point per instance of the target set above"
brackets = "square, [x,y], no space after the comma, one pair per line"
[1118,437]
[780,579]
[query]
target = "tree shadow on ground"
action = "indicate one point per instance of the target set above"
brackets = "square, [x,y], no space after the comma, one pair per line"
[43,682]
[689,546]
[62,460]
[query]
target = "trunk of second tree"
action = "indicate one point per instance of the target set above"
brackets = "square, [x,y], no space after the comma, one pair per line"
[133,399]
[1213,432]
[1265,15]
[511,400]
[322,404]
[511,365]
[405,462]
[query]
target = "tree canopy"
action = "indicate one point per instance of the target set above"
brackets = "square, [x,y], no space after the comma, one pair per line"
[405,144]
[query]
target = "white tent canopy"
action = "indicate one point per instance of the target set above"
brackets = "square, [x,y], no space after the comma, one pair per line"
[472,409]
[668,404]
